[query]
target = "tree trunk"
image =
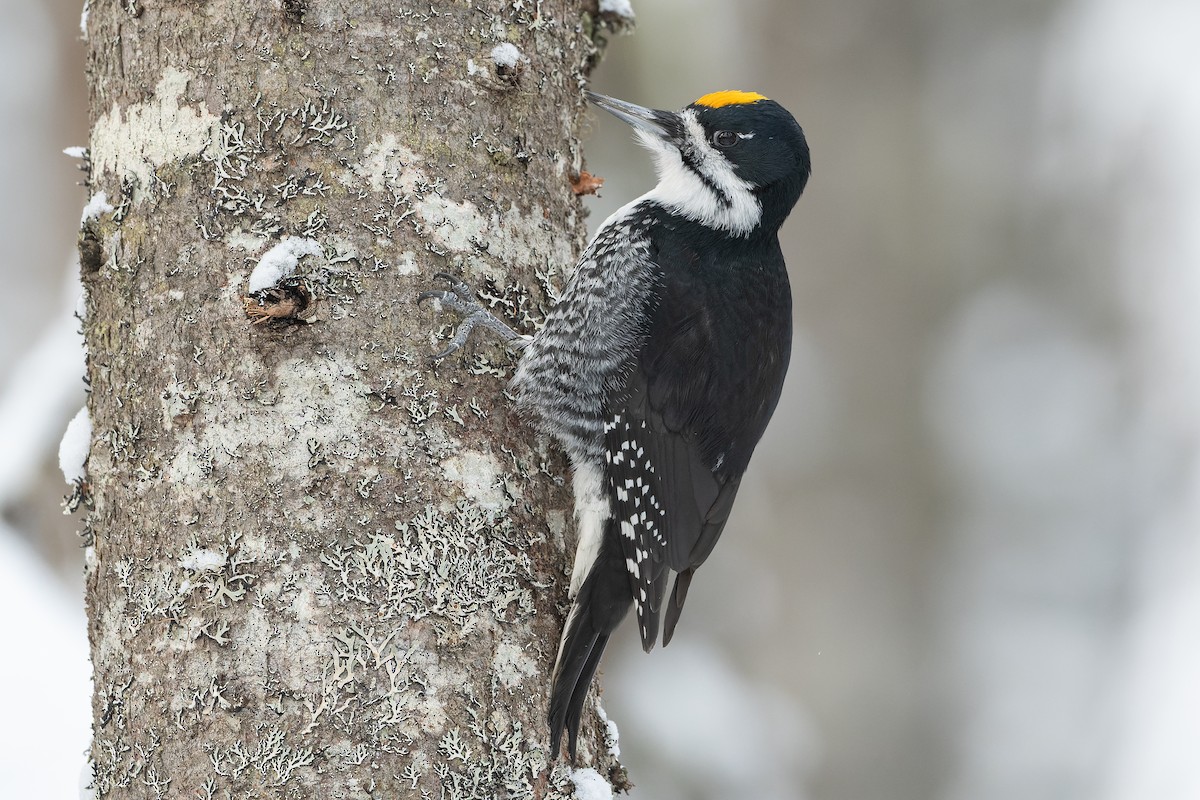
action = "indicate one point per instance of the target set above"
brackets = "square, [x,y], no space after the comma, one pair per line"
[321,567]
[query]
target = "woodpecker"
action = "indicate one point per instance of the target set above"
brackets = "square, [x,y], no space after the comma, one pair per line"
[661,365]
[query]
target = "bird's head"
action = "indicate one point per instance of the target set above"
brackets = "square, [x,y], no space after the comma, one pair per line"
[735,161]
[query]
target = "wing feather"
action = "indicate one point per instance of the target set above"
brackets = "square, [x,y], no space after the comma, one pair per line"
[696,397]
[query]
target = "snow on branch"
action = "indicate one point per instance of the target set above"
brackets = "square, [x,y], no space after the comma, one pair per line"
[618,8]
[590,785]
[281,261]
[506,55]
[95,207]
[75,445]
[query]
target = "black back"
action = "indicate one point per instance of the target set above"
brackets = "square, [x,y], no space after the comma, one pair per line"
[699,392]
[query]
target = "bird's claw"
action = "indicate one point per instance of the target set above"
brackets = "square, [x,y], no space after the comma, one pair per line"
[461,299]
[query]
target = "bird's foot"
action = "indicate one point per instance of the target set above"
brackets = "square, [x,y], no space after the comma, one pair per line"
[461,299]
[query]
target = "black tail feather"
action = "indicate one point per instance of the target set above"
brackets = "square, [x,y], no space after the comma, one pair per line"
[575,709]
[675,606]
[576,652]
[602,602]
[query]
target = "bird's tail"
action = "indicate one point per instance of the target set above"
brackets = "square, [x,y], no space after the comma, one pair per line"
[603,600]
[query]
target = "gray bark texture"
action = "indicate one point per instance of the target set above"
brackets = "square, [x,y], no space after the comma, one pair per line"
[319,565]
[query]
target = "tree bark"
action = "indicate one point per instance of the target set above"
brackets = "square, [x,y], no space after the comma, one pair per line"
[319,566]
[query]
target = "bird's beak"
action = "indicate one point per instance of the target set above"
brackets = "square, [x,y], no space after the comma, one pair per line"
[664,126]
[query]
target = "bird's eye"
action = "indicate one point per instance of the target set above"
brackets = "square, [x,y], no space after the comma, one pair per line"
[725,138]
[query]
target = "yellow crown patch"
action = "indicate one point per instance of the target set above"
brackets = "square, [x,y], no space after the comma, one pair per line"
[728,98]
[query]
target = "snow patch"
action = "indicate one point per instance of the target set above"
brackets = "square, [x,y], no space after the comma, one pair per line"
[83,16]
[612,737]
[506,55]
[619,8]
[75,445]
[75,152]
[95,207]
[589,785]
[143,136]
[281,261]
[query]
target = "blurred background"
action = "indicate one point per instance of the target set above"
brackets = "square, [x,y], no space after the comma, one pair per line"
[965,563]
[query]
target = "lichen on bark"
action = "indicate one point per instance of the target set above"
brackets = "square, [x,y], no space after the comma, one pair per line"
[321,566]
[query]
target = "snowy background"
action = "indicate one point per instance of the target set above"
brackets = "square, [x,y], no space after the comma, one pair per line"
[966,562]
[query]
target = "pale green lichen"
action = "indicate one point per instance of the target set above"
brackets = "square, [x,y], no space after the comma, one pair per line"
[201,579]
[456,573]
[265,176]
[498,760]
[269,764]
[448,565]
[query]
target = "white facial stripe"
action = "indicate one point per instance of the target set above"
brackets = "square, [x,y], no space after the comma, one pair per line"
[716,197]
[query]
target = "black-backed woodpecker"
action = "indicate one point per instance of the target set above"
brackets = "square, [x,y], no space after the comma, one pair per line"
[661,364]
